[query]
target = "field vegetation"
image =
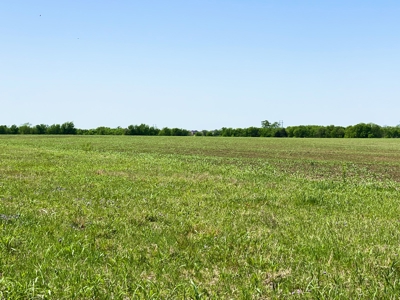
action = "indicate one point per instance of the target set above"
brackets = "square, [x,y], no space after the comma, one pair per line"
[267,129]
[133,217]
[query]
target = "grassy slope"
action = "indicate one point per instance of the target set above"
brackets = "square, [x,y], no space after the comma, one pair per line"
[192,217]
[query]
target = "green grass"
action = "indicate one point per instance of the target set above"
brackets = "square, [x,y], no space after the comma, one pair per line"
[199,218]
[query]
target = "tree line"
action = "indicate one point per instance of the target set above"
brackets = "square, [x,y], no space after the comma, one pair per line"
[267,129]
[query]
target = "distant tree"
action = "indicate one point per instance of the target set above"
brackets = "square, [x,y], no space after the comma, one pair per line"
[375,131]
[391,132]
[335,131]
[363,130]
[265,132]
[338,132]
[102,130]
[252,132]
[165,131]
[14,129]
[319,132]
[239,132]
[301,132]
[40,129]
[4,129]
[267,124]
[179,132]
[54,129]
[280,132]
[268,129]
[141,129]
[25,129]
[91,132]
[153,130]
[131,130]
[226,131]
[217,132]
[82,131]
[68,128]
[119,131]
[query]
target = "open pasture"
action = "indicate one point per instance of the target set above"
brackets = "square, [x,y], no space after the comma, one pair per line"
[104,217]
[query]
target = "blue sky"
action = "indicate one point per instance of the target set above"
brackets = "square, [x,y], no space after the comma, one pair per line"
[199,64]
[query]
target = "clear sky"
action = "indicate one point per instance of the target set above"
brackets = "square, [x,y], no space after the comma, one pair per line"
[199,64]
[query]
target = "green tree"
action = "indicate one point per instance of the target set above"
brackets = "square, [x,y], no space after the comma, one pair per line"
[301,131]
[14,129]
[280,132]
[179,132]
[226,131]
[102,130]
[119,131]
[267,124]
[68,128]
[252,132]
[165,131]
[142,129]
[54,129]
[4,129]
[363,130]
[25,128]
[40,129]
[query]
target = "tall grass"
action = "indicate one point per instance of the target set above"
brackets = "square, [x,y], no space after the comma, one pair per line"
[190,218]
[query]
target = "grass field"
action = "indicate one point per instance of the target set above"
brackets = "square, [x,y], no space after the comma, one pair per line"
[106,217]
